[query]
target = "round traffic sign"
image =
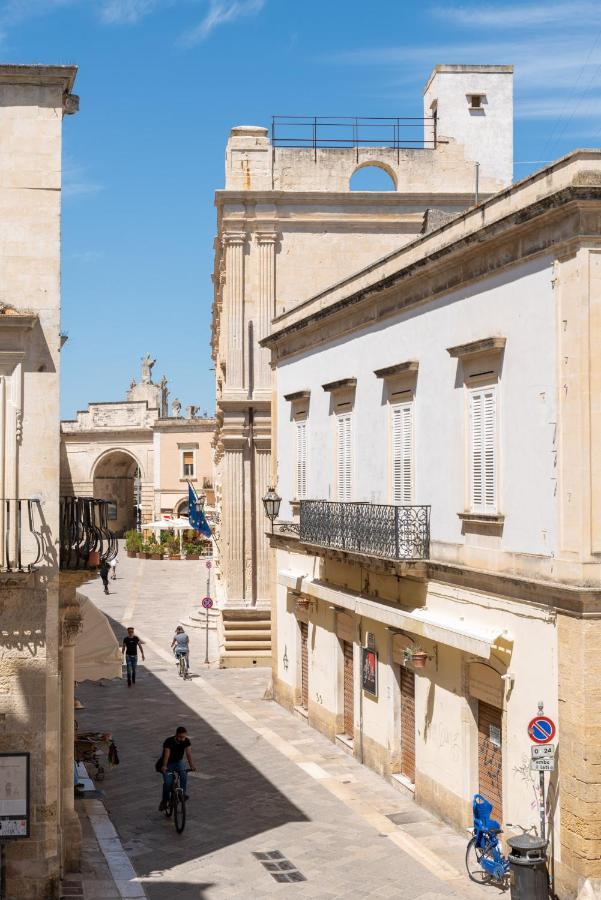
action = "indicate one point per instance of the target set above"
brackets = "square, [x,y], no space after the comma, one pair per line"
[208,564]
[207,602]
[541,730]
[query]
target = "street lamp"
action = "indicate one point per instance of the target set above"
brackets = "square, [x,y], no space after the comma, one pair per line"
[271,503]
[199,503]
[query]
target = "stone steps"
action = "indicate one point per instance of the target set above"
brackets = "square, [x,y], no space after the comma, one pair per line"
[245,638]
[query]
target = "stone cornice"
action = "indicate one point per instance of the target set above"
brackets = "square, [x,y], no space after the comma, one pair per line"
[297,395]
[409,367]
[62,76]
[342,384]
[485,345]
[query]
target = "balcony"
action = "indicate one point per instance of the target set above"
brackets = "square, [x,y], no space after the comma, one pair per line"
[85,538]
[377,530]
[21,542]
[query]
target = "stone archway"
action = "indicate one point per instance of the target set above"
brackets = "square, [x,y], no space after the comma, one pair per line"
[115,480]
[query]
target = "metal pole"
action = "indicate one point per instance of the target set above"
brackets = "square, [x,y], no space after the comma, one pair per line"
[477,185]
[542,806]
[207,637]
[3,894]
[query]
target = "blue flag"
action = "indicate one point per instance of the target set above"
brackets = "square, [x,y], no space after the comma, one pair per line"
[197,519]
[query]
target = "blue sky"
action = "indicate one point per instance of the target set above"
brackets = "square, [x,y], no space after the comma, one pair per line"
[162,82]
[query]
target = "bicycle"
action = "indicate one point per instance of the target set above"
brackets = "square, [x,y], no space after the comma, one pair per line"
[484,860]
[176,804]
[182,665]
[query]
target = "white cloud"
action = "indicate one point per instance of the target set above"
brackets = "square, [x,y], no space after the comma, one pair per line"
[222,12]
[126,12]
[519,16]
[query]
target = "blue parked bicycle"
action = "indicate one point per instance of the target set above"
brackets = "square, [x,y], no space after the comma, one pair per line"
[483,858]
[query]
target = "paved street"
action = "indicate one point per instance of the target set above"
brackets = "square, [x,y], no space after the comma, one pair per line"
[267,783]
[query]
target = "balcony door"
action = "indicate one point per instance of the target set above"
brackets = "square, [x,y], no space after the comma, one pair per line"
[304,637]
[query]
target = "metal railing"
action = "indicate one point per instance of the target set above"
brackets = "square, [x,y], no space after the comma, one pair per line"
[21,542]
[353,132]
[84,532]
[385,532]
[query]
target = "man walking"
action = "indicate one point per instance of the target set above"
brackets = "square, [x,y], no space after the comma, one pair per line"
[174,749]
[104,574]
[129,649]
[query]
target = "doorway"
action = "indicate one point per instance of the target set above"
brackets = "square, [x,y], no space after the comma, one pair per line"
[490,756]
[349,691]
[408,724]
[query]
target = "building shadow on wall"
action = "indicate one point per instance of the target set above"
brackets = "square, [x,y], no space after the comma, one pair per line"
[230,800]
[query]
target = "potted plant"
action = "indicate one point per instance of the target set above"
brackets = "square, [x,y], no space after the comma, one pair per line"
[133,542]
[191,551]
[419,658]
[145,551]
[156,551]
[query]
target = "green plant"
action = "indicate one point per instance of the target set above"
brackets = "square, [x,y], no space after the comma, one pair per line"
[191,549]
[147,548]
[133,541]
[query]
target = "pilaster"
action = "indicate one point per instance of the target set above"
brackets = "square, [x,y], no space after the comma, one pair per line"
[266,242]
[232,520]
[234,244]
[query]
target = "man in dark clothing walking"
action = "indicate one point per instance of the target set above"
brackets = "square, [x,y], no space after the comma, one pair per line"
[104,574]
[129,649]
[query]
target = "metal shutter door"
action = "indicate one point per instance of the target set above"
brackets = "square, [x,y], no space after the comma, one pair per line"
[349,697]
[304,633]
[408,724]
[490,757]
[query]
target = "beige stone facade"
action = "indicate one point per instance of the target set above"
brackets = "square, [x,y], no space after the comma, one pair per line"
[288,226]
[38,621]
[133,453]
[494,314]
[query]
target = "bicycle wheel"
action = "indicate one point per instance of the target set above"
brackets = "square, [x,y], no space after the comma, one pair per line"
[182,666]
[169,806]
[474,859]
[179,810]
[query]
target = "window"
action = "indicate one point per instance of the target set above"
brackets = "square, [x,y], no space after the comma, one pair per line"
[402,453]
[483,449]
[343,457]
[301,459]
[188,463]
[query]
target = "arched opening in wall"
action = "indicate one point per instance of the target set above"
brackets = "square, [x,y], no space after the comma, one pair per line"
[117,479]
[182,508]
[372,177]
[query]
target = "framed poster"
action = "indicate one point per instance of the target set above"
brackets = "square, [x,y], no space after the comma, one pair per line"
[369,671]
[14,796]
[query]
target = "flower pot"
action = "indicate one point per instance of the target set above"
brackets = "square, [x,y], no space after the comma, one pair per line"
[93,558]
[142,555]
[156,556]
[131,554]
[419,659]
[192,556]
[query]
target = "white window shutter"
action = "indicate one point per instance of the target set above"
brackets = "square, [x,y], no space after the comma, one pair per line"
[402,453]
[483,450]
[344,460]
[301,460]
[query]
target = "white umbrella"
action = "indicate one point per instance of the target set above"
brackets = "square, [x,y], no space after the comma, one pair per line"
[177,523]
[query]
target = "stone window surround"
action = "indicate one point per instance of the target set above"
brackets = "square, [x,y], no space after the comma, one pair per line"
[187,448]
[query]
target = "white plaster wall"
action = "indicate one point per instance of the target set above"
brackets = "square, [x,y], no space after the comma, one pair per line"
[518,305]
[487,135]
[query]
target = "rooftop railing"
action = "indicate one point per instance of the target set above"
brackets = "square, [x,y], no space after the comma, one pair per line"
[85,538]
[353,132]
[374,529]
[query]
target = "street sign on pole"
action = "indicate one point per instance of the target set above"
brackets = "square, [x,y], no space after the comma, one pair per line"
[207,602]
[538,751]
[208,564]
[541,729]
[542,764]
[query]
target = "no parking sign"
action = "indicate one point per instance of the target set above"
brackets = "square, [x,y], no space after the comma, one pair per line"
[541,729]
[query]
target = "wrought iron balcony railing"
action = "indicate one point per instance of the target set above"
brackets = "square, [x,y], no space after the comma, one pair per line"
[21,542]
[386,532]
[85,538]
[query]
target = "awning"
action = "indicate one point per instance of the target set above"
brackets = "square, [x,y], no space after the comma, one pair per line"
[97,653]
[426,623]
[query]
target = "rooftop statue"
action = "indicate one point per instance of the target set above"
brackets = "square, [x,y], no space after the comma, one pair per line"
[176,409]
[147,364]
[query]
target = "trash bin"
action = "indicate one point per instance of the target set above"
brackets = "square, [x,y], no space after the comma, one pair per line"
[528,868]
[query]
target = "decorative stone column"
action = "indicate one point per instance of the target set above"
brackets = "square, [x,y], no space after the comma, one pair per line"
[263,554]
[267,243]
[234,308]
[232,521]
[71,623]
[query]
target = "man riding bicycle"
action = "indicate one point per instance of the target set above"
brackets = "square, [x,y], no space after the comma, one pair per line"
[174,749]
[181,646]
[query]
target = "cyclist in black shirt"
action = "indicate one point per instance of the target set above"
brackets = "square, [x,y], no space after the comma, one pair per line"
[131,642]
[174,749]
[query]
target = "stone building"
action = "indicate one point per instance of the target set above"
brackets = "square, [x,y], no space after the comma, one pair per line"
[288,225]
[438,433]
[134,454]
[38,620]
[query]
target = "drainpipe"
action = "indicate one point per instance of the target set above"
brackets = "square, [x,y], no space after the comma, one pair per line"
[360,693]
[477,184]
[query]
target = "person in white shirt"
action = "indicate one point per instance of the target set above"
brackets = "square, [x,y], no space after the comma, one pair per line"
[113,564]
[181,645]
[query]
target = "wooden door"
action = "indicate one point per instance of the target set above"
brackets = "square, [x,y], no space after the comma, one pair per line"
[408,724]
[304,634]
[490,757]
[349,693]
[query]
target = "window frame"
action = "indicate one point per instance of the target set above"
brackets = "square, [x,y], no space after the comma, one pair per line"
[485,507]
[408,404]
[340,416]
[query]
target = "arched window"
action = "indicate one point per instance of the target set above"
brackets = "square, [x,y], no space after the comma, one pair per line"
[372,178]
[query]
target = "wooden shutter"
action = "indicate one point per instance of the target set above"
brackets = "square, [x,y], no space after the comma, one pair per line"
[402,453]
[490,757]
[344,457]
[304,634]
[408,724]
[301,460]
[349,693]
[483,450]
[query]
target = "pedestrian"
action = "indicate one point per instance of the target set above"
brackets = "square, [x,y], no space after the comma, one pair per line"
[172,759]
[129,649]
[104,574]
[113,565]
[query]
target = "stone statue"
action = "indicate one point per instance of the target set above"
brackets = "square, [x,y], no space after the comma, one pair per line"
[147,364]
[191,411]
[176,408]
[164,397]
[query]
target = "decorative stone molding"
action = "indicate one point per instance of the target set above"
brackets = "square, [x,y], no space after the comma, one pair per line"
[485,345]
[71,623]
[342,384]
[409,367]
[70,104]
[298,395]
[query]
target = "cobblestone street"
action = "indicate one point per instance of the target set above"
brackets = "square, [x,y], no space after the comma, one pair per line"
[267,783]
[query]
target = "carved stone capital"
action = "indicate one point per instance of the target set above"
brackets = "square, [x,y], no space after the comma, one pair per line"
[70,104]
[267,237]
[234,238]
[71,623]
